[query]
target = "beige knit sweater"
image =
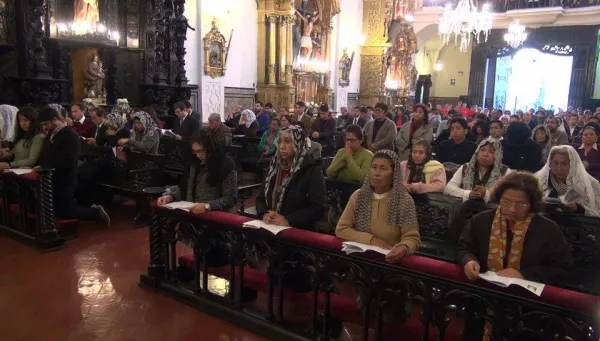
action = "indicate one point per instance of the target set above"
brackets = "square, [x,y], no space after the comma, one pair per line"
[392,235]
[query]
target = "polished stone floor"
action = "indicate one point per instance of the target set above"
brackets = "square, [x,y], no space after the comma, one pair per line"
[88,291]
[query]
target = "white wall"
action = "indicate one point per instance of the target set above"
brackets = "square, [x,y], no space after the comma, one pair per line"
[193,43]
[347,32]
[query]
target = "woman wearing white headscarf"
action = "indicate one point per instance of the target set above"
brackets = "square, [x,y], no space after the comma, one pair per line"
[564,177]
[247,125]
[144,136]
[8,121]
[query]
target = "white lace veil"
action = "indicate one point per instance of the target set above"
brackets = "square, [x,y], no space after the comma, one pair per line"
[583,189]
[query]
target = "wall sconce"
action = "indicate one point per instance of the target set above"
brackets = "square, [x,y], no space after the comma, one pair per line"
[439,66]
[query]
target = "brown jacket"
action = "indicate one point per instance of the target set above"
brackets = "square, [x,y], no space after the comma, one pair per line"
[222,135]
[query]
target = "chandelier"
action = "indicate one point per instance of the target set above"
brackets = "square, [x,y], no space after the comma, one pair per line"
[463,22]
[516,35]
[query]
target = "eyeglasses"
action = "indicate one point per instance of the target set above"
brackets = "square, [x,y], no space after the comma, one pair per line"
[521,206]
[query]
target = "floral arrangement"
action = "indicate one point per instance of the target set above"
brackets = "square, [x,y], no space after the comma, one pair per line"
[122,107]
[88,104]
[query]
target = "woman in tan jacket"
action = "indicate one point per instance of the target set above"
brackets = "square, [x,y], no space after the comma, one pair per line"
[382,213]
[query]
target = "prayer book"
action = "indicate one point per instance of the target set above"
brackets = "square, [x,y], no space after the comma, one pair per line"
[259,224]
[19,171]
[180,205]
[168,132]
[492,277]
[352,247]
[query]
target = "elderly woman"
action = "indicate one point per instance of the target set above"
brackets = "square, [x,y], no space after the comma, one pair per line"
[421,173]
[268,143]
[352,162]
[382,213]
[515,240]
[541,135]
[293,193]
[144,136]
[416,130]
[247,125]
[564,177]
[210,180]
[115,124]
[475,179]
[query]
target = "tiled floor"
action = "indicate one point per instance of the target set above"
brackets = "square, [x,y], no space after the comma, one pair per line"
[88,291]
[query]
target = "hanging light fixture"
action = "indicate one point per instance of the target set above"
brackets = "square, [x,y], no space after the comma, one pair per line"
[464,21]
[516,35]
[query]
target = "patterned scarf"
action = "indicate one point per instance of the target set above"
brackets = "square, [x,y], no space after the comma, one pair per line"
[471,169]
[560,187]
[149,127]
[399,199]
[115,121]
[9,121]
[497,247]
[546,145]
[416,172]
[299,144]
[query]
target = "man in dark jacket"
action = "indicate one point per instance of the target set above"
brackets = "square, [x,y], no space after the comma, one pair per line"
[323,129]
[192,112]
[82,125]
[185,126]
[458,149]
[60,152]
[519,151]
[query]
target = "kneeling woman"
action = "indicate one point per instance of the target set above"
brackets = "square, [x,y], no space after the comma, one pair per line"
[475,179]
[421,173]
[515,240]
[564,177]
[210,180]
[382,213]
[294,190]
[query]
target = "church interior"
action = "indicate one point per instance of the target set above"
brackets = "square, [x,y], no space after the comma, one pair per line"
[245,170]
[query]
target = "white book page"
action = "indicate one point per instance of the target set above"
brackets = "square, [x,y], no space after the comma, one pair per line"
[351,247]
[259,224]
[533,287]
[180,205]
[19,171]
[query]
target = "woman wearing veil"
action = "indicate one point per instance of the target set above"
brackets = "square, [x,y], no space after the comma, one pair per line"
[564,177]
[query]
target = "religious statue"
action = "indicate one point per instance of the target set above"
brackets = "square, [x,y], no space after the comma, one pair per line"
[345,67]
[306,43]
[399,56]
[94,78]
[86,12]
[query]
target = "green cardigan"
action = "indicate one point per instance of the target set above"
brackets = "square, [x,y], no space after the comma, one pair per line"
[27,155]
[263,142]
[352,168]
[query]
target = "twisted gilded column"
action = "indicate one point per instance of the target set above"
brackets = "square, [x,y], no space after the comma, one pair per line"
[272,20]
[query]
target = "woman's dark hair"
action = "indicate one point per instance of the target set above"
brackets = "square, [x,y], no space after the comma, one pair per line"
[425,112]
[498,122]
[458,120]
[521,181]
[215,156]
[357,131]
[34,125]
[287,117]
[485,128]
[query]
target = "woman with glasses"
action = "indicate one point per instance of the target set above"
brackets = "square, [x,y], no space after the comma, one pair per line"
[352,162]
[514,240]
[209,180]
[564,177]
[474,180]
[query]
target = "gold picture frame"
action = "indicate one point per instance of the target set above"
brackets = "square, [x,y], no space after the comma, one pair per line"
[215,52]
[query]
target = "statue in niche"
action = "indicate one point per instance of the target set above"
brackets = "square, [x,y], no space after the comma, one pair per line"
[94,78]
[399,57]
[345,67]
[86,12]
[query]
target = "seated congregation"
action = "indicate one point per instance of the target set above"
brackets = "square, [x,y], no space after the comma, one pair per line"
[473,201]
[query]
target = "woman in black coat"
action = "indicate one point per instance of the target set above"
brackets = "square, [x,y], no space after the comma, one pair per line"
[520,152]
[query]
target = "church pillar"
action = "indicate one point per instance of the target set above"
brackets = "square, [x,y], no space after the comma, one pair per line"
[324,91]
[272,20]
[282,57]
[372,66]
[289,60]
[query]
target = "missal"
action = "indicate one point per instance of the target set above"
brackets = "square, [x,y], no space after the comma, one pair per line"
[353,247]
[505,282]
[180,205]
[19,171]
[168,132]
[259,224]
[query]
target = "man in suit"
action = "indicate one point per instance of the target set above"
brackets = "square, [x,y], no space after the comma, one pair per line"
[98,116]
[381,131]
[190,110]
[344,120]
[60,151]
[185,126]
[358,118]
[219,131]
[82,125]
[302,117]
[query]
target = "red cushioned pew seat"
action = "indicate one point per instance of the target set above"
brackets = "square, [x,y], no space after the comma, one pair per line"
[67,227]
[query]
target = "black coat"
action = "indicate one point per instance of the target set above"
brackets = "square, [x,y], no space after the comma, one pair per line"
[186,129]
[546,257]
[100,135]
[62,154]
[519,151]
[305,197]
[460,154]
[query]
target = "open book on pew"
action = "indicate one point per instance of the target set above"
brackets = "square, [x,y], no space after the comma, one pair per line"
[180,205]
[168,132]
[259,224]
[19,171]
[534,287]
[352,247]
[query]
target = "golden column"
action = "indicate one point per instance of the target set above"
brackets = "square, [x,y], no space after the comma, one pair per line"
[324,90]
[275,53]
[372,68]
